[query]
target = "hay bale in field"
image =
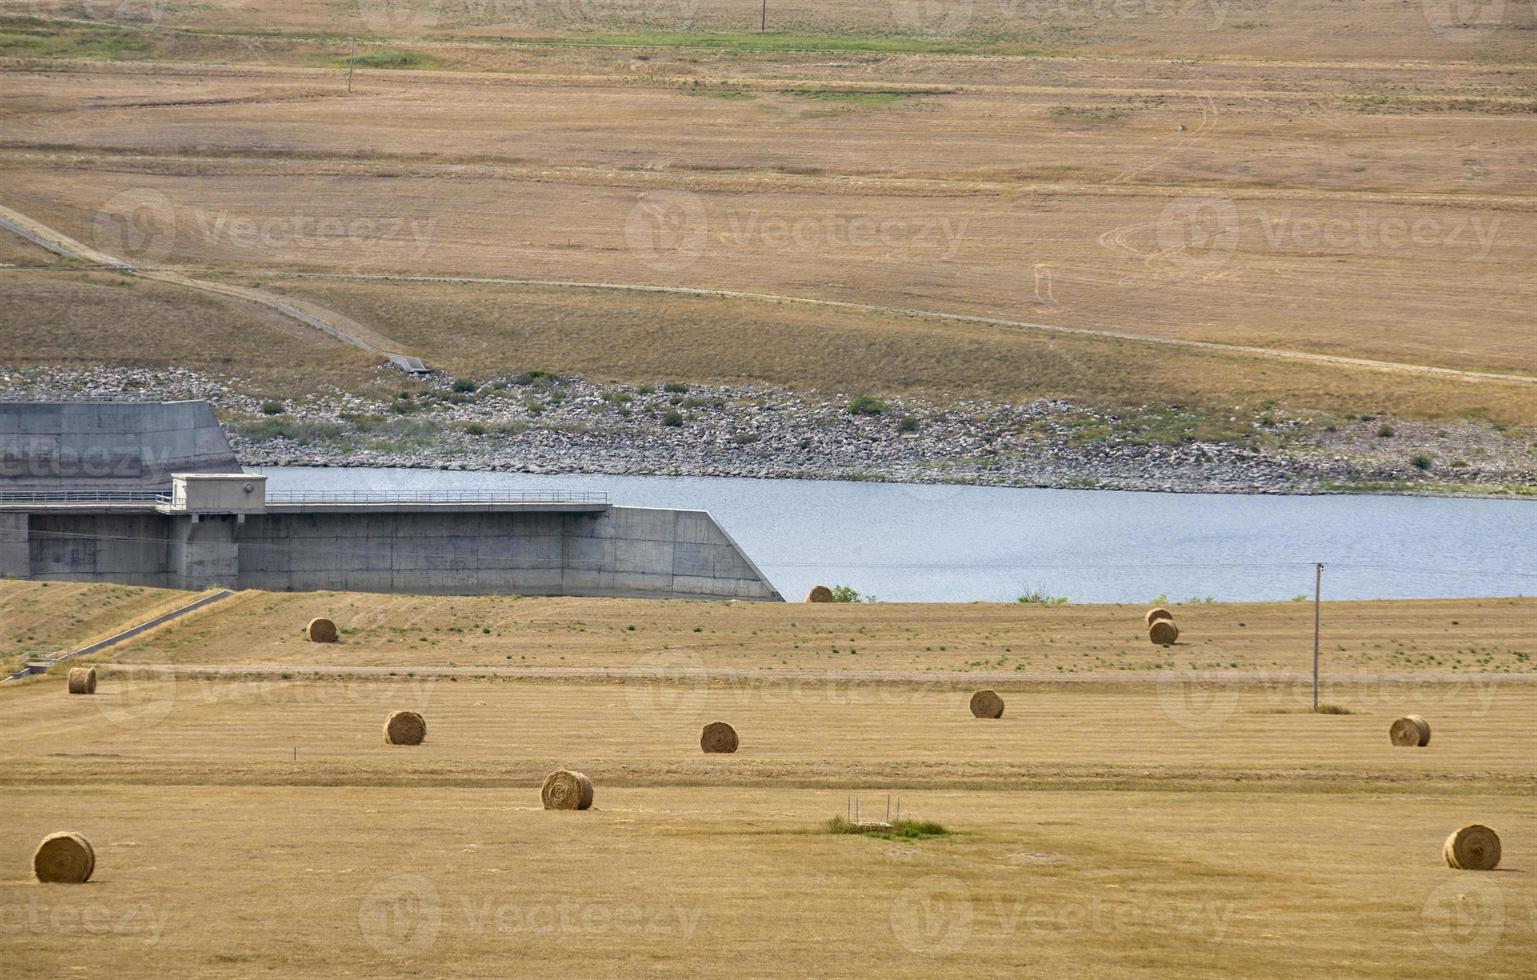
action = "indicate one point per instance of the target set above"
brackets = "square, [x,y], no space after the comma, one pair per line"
[1163,632]
[1410,730]
[82,680]
[987,704]
[321,631]
[1473,848]
[819,593]
[1156,613]
[405,728]
[566,790]
[64,858]
[718,737]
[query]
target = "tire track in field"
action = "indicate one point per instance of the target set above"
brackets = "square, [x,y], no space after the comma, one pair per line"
[1204,345]
[309,314]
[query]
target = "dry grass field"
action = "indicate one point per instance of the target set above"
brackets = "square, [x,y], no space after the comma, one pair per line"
[1341,182]
[1188,827]
[265,629]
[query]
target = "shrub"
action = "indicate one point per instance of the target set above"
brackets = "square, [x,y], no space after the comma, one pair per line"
[675,388]
[1421,461]
[673,419]
[846,593]
[272,408]
[474,429]
[464,386]
[1384,431]
[867,405]
[1035,597]
[907,424]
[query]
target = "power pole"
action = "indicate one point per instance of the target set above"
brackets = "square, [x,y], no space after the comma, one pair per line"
[763,21]
[1318,588]
[352,56]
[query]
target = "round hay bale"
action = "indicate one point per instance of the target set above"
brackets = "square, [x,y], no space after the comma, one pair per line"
[82,680]
[1163,632]
[819,593]
[987,704]
[1473,848]
[718,737]
[566,790]
[1410,730]
[64,858]
[405,728]
[1156,613]
[321,631]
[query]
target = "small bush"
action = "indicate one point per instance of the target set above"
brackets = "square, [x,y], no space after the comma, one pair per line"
[900,829]
[846,593]
[464,386]
[674,388]
[1421,461]
[1384,431]
[907,424]
[673,419]
[474,429]
[272,408]
[867,405]
[1036,597]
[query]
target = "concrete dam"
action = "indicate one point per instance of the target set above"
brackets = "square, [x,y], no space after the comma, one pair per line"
[162,503]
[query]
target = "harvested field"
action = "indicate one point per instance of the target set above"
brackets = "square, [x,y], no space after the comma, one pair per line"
[38,619]
[397,631]
[1059,822]
[1063,829]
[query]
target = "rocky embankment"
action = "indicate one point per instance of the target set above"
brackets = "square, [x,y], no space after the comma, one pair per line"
[537,423]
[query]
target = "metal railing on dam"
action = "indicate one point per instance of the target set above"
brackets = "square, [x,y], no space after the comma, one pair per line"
[440,497]
[320,497]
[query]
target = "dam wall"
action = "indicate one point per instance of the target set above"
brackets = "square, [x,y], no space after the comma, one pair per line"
[108,446]
[448,550]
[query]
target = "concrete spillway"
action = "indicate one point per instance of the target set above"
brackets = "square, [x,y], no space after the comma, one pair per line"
[202,530]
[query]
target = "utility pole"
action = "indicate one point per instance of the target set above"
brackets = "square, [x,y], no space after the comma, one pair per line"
[353,54]
[1318,588]
[763,21]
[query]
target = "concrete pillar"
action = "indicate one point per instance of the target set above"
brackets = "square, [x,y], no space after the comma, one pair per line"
[15,553]
[203,552]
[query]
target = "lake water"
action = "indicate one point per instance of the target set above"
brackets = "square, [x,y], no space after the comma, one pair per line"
[911,543]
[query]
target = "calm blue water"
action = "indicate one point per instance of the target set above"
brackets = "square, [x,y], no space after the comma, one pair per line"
[911,543]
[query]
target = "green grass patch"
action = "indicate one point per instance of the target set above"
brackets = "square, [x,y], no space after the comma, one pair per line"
[749,42]
[388,58]
[106,44]
[897,830]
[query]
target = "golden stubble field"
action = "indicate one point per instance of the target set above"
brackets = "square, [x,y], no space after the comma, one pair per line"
[255,826]
[1201,824]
